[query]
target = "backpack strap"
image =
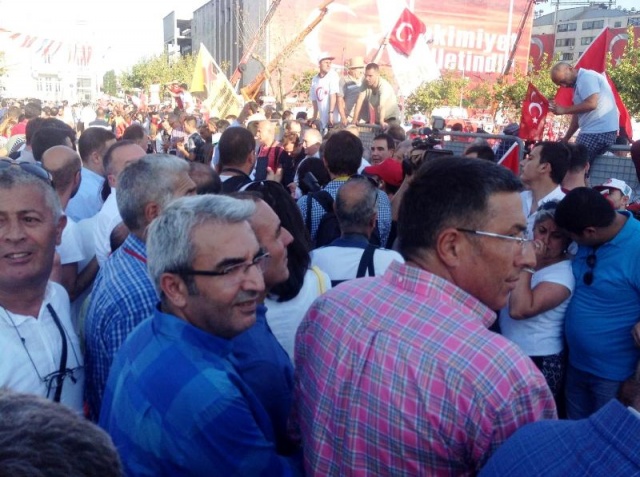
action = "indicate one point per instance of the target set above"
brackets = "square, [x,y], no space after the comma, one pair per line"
[366,262]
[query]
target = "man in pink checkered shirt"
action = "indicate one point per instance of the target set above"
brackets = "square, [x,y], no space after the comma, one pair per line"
[398,374]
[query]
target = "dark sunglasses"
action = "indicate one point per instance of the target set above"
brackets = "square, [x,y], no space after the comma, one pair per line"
[29,167]
[587,278]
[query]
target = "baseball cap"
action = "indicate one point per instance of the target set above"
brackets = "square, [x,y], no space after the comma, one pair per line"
[615,184]
[325,56]
[388,170]
[418,120]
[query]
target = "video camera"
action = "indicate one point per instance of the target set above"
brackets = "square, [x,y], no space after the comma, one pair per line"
[425,147]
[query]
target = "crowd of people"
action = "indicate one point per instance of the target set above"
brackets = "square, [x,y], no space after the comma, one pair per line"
[273,299]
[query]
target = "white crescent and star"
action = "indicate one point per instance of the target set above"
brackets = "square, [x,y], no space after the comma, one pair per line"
[400,30]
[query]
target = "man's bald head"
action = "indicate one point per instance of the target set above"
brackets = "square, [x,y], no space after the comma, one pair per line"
[563,74]
[356,206]
[64,165]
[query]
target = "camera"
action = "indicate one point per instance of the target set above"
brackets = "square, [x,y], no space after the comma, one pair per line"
[425,147]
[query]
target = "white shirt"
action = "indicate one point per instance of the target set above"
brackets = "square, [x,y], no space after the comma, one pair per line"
[321,91]
[70,248]
[527,201]
[341,263]
[541,335]
[285,317]
[43,342]
[106,220]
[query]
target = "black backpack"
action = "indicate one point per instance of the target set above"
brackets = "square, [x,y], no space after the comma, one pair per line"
[329,228]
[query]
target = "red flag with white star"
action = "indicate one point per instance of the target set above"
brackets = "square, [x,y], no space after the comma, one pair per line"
[534,114]
[405,33]
[511,159]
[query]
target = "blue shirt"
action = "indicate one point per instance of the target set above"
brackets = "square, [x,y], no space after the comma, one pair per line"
[317,211]
[600,316]
[123,295]
[605,444]
[87,202]
[605,117]
[266,368]
[175,405]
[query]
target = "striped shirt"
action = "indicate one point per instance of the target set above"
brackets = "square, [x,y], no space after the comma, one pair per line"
[123,295]
[398,375]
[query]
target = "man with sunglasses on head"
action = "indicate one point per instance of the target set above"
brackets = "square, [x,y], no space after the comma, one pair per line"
[39,349]
[399,374]
[175,402]
[602,323]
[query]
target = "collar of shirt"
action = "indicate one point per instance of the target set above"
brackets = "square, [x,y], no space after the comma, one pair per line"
[420,282]
[135,247]
[181,330]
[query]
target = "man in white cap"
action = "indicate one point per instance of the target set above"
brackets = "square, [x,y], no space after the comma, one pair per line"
[616,191]
[325,88]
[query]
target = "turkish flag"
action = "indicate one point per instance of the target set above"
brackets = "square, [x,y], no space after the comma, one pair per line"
[595,58]
[405,33]
[511,159]
[534,113]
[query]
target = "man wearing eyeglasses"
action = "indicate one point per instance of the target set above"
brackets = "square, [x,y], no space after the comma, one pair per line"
[39,349]
[602,321]
[176,378]
[399,374]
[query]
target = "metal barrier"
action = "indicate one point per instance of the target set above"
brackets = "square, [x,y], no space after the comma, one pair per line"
[458,146]
[614,165]
[367,132]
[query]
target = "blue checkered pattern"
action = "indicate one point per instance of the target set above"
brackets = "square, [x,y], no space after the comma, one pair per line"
[384,210]
[174,405]
[596,143]
[604,444]
[123,295]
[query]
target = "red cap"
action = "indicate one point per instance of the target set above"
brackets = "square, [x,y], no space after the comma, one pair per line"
[388,170]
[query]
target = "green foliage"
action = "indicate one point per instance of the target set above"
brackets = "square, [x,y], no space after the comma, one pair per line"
[445,91]
[110,83]
[158,69]
[302,82]
[3,70]
[626,75]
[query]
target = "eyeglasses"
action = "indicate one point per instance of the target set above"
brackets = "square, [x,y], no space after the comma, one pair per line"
[587,278]
[233,272]
[33,169]
[523,242]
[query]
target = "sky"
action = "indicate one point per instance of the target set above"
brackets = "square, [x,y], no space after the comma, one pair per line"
[123,31]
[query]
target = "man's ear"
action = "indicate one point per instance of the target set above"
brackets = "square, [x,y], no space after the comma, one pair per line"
[62,223]
[174,289]
[449,247]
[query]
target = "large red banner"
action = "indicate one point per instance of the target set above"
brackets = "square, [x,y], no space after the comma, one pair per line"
[471,37]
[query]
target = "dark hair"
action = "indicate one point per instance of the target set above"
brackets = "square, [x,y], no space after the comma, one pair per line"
[483,151]
[386,137]
[397,132]
[579,157]
[558,156]
[584,207]
[32,110]
[235,145]
[317,168]
[372,66]
[285,207]
[106,161]
[32,126]
[205,177]
[93,140]
[343,153]
[134,132]
[47,137]
[448,192]
[42,438]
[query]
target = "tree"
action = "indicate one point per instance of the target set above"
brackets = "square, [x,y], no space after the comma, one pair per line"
[626,74]
[158,69]
[445,91]
[109,83]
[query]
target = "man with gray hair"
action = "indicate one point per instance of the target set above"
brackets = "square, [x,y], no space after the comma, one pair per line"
[123,294]
[206,264]
[39,350]
[352,255]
